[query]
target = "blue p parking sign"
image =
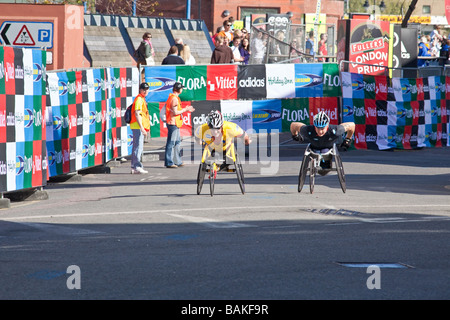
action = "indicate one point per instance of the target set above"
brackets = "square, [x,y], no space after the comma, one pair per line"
[44,35]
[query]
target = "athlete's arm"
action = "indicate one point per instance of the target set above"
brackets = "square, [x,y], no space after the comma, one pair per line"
[243,135]
[295,129]
[349,129]
[247,139]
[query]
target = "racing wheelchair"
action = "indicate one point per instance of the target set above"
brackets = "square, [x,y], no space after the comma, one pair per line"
[311,166]
[211,163]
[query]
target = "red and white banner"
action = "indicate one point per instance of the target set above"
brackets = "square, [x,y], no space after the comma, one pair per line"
[447,10]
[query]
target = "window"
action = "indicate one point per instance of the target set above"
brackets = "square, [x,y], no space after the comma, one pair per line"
[426,9]
[247,11]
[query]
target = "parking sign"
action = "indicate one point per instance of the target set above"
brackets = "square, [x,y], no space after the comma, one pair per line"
[27,34]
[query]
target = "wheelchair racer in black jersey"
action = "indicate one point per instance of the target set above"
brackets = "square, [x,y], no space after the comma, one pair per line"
[322,135]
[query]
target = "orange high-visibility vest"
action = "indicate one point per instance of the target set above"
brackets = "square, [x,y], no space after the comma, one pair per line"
[178,119]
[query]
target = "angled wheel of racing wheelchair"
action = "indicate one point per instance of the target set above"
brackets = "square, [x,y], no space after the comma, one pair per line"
[339,168]
[239,173]
[303,170]
[201,176]
[311,164]
[312,174]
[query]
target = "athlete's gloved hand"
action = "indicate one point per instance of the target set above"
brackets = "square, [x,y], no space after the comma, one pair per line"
[297,137]
[346,144]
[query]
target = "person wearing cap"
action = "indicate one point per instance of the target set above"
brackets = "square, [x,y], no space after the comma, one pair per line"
[140,126]
[174,121]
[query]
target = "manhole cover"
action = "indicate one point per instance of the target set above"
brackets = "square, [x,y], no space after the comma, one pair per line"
[391,265]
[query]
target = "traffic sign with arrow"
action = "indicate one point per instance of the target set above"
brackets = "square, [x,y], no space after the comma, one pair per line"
[27,34]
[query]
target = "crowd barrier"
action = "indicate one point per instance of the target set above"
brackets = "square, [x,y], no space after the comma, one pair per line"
[397,113]
[55,123]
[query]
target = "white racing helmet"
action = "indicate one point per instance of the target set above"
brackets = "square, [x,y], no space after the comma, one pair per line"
[214,119]
[321,120]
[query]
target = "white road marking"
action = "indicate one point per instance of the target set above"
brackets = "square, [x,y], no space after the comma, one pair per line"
[226,208]
[212,223]
[59,229]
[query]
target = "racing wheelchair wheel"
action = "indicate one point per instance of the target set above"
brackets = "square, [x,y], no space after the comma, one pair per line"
[212,178]
[201,176]
[312,175]
[240,173]
[339,169]
[303,171]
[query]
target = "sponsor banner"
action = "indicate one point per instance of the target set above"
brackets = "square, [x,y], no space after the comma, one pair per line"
[161,80]
[369,45]
[22,85]
[9,70]
[280,81]
[409,113]
[331,80]
[266,115]
[239,112]
[252,82]
[244,82]
[309,80]
[3,166]
[155,123]
[193,78]
[294,110]
[3,118]
[2,71]
[222,82]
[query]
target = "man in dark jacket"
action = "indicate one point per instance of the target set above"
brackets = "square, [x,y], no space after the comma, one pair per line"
[222,53]
[173,57]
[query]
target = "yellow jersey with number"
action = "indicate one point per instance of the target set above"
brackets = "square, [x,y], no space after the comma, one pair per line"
[230,131]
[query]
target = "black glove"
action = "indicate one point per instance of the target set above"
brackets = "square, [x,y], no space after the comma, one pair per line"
[297,137]
[346,143]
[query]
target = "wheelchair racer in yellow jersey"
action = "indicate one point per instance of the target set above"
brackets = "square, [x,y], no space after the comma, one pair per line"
[219,134]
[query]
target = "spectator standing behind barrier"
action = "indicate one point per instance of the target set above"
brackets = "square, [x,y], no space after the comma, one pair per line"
[173,57]
[140,126]
[258,47]
[309,48]
[174,120]
[186,55]
[237,33]
[423,52]
[294,53]
[222,53]
[436,33]
[147,51]
[226,32]
[244,49]
[323,51]
[445,51]
[236,52]
[219,29]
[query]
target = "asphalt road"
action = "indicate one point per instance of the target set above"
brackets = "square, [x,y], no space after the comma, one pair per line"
[121,236]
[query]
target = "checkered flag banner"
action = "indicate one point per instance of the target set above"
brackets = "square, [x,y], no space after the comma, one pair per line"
[399,113]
